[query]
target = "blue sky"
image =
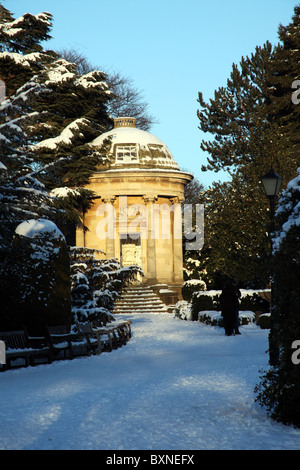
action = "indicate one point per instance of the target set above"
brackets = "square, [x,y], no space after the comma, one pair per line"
[172,49]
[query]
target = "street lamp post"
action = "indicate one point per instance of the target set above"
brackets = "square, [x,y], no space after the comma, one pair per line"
[272,183]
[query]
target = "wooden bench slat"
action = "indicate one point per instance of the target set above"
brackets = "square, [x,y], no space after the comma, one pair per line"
[20,346]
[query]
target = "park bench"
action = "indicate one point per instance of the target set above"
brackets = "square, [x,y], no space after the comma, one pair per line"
[21,346]
[99,338]
[103,336]
[66,344]
[124,326]
[118,331]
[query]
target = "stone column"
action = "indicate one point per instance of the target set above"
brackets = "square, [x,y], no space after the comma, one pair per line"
[110,239]
[149,200]
[177,240]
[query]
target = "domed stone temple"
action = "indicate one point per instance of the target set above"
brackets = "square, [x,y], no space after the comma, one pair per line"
[136,214]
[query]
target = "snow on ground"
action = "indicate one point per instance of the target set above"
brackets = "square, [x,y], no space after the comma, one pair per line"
[176,385]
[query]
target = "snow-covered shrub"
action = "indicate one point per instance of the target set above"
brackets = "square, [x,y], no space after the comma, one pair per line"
[264,321]
[191,286]
[214,317]
[35,278]
[202,301]
[250,300]
[210,317]
[95,284]
[182,310]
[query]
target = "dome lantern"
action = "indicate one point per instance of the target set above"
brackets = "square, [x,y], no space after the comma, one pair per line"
[124,122]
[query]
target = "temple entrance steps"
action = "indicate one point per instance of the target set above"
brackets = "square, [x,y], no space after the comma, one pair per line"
[139,299]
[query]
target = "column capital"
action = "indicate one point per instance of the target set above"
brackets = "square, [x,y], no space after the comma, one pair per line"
[150,198]
[177,200]
[108,199]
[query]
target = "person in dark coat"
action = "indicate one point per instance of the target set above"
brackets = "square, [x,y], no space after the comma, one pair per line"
[229,300]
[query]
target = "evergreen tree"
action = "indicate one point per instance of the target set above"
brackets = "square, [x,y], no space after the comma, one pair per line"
[22,194]
[279,389]
[235,116]
[232,247]
[73,112]
[29,283]
[283,81]
[254,125]
[126,100]
[35,279]
[69,109]
[25,34]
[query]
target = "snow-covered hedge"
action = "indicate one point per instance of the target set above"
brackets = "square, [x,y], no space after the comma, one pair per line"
[214,317]
[182,310]
[264,321]
[251,300]
[191,286]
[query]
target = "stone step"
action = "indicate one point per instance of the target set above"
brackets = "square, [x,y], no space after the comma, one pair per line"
[139,299]
[129,309]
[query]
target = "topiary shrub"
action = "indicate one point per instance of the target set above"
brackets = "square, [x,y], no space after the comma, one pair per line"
[96,284]
[191,286]
[204,301]
[264,321]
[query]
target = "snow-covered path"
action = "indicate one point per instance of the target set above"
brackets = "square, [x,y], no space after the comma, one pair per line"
[176,385]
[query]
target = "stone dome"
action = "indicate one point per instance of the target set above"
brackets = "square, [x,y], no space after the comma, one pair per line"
[134,148]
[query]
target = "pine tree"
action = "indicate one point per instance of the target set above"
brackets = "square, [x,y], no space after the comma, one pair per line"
[22,194]
[253,129]
[23,35]
[126,99]
[232,247]
[29,284]
[69,110]
[74,113]
[35,279]
[283,81]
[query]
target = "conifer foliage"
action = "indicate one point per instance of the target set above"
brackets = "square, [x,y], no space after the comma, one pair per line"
[34,269]
[60,110]
[253,124]
[279,390]
[96,284]
[35,278]
[22,194]
[49,116]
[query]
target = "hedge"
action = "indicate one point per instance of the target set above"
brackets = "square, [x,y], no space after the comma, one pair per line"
[251,300]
